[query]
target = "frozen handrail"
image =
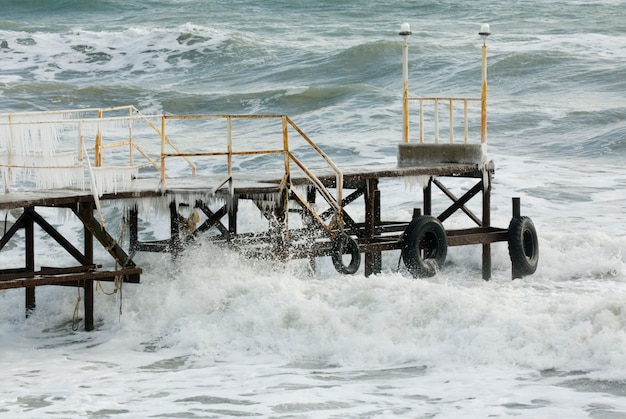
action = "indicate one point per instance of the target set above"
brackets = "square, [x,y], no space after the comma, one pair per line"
[55,144]
[450,102]
[229,151]
[48,147]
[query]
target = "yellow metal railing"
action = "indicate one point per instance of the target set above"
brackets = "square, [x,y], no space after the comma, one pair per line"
[229,151]
[405,32]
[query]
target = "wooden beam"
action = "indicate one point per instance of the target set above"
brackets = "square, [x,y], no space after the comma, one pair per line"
[54,234]
[14,228]
[105,239]
[373,257]
[459,203]
[129,274]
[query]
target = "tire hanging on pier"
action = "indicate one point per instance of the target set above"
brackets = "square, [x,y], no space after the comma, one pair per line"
[523,246]
[346,245]
[424,246]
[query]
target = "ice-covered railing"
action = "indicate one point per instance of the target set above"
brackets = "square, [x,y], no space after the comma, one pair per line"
[103,149]
[99,148]
[249,143]
[457,115]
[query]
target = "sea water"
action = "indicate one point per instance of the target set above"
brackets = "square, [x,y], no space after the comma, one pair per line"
[214,334]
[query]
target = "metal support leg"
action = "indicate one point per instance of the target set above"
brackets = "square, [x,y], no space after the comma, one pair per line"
[373,259]
[311,196]
[175,244]
[88,304]
[517,213]
[29,232]
[486,224]
[428,193]
[133,231]
[233,208]
[88,285]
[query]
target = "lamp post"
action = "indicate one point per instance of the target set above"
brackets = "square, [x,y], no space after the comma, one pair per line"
[484,33]
[405,32]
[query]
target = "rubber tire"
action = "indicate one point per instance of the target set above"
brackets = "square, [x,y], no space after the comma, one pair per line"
[345,244]
[523,246]
[424,234]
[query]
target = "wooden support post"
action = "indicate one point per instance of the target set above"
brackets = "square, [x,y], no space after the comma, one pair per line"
[133,231]
[373,259]
[88,304]
[279,227]
[428,193]
[29,233]
[174,230]
[233,208]
[517,211]
[487,223]
[88,283]
[30,300]
[311,196]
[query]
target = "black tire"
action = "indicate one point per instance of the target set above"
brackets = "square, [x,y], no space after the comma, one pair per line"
[523,246]
[345,245]
[424,246]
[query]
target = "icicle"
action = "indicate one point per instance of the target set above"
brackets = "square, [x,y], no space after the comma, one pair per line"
[59,177]
[113,178]
[411,181]
[39,160]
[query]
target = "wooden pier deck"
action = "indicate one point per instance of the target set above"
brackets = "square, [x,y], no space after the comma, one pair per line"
[371,236]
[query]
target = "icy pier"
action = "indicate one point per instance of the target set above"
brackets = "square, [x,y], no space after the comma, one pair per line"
[206,172]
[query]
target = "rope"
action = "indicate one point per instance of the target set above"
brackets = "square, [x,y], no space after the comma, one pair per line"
[399,260]
[75,319]
[103,291]
[119,279]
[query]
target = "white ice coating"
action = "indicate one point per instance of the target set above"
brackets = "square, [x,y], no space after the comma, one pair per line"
[484,161]
[159,207]
[47,151]
[112,179]
[410,182]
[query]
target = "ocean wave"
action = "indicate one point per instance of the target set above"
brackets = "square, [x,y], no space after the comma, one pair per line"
[85,54]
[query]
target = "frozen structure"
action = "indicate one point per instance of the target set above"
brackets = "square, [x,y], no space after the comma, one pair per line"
[206,173]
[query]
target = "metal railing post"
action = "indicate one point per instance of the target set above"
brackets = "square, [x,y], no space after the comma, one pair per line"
[286,144]
[163,153]
[451,124]
[405,32]
[484,33]
[130,136]
[98,146]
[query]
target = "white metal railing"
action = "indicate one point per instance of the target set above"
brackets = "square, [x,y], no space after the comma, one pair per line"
[453,104]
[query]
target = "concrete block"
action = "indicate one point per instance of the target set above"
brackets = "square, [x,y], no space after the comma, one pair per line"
[414,154]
